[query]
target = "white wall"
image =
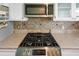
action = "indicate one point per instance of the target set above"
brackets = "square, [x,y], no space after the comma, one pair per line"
[6,31]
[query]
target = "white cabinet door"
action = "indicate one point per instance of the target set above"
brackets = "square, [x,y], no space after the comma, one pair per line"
[70,52]
[76,11]
[63,12]
[7,52]
[16,11]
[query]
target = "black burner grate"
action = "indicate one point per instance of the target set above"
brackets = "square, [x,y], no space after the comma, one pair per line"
[39,40]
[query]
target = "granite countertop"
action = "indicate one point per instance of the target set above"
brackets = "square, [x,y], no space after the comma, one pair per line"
[65,40]
[13,40]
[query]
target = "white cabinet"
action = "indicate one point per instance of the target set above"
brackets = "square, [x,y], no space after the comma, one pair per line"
[77,10]
[16,12]
[76,14]
[64,12]
[7,52]
[70,52]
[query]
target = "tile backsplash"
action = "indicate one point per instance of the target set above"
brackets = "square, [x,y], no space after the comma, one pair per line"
[34,23]
[46,23]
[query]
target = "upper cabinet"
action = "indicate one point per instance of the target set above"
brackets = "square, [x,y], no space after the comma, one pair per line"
[76,14]
[63,12]
[16,11]
[66,12]
[57,11]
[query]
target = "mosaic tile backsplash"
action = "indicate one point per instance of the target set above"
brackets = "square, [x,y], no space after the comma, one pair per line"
[46,23]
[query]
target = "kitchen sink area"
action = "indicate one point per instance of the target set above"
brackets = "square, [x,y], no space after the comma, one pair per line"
[28,29]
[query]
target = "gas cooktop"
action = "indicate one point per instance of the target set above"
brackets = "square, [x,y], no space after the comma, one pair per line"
[39,40]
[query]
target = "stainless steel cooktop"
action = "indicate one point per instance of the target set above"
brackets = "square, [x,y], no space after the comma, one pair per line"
[39,40]
[38,44]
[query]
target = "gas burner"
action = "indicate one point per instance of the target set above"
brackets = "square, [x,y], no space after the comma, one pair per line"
[39,40]
[29,43]
[48,43]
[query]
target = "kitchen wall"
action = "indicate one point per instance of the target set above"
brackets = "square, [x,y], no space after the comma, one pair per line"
[4,33]
[47,23]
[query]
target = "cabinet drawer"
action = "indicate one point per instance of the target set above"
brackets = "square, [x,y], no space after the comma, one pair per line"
[7,52]
[70,52]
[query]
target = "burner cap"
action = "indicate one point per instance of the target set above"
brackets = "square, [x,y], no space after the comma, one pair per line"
[39,40]
[48,43]
[29,43]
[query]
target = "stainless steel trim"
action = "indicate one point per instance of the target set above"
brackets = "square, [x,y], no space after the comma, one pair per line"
[50,51]
[38,15]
